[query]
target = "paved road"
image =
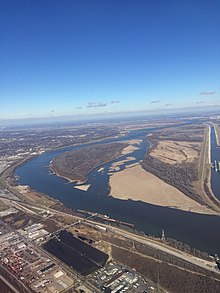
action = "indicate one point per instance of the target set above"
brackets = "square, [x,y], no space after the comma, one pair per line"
[16,279]
[205,264]
[9,285]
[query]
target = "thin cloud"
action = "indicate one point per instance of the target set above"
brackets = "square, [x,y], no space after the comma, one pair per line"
[168,104]
[115,102]
[200,102]
[96,105]
[207,93]
[79,107]
[155,101]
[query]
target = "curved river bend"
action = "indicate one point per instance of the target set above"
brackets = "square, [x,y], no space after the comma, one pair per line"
[199,231]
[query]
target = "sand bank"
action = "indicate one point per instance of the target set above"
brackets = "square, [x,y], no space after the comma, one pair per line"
[119,163]
[131,147]
[114,168]
[137,184]
[84,187]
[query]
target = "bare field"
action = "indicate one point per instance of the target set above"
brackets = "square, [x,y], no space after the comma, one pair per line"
[191,133]
[137,184]
[173,152]
[147,124]
[34,196]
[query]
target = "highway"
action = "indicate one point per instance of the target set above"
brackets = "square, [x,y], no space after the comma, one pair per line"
[205,264]
[9,285]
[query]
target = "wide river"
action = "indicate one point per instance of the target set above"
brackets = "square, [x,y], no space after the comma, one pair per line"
[199,231]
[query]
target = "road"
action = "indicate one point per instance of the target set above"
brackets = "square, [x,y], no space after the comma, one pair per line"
[9,285]
[15,278]
[205,264]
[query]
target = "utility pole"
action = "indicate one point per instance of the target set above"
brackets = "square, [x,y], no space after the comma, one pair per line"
[163,238]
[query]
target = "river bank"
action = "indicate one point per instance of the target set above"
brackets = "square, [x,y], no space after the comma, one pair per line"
[145,217]
[217,134]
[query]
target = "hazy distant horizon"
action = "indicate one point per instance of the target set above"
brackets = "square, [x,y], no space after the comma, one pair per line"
[214,110]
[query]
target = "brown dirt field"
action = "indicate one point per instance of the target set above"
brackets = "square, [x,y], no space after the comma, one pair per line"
[35,196]
[50,225]
[173,152]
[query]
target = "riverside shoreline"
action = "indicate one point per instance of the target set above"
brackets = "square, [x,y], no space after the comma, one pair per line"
[139,185]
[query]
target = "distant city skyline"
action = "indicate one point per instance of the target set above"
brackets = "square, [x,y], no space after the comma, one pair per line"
[78,58]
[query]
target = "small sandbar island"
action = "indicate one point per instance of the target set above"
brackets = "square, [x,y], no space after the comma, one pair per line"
[77,164]
[83,187]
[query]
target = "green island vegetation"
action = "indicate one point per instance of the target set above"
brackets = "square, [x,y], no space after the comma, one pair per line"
[76,165]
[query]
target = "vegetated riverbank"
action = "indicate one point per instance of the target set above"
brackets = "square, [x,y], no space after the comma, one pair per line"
[7,179]
[184,168]
[75,165]
[146,217]
[9,172]
[24,193]
[138,184]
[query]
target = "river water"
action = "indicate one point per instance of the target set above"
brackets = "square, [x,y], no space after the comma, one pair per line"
[215,156]
[199,231]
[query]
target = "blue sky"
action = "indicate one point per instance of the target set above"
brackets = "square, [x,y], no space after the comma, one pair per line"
[87,56]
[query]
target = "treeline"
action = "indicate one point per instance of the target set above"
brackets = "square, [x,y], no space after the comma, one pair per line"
[186,248]
[180,176]
[172,278]
[159,255]
[168,258]
[190,133]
